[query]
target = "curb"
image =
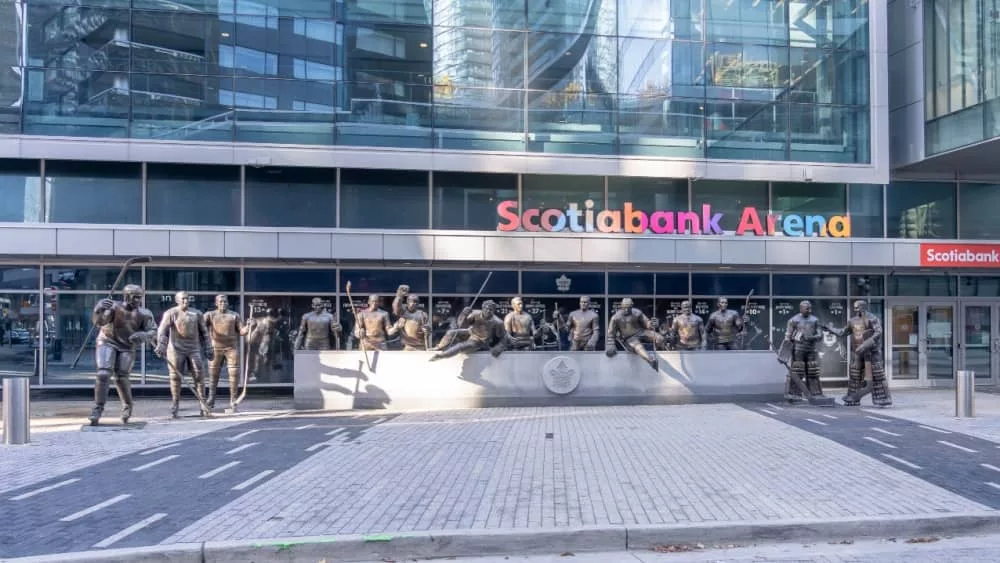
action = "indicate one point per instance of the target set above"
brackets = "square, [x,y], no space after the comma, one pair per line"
[471,543]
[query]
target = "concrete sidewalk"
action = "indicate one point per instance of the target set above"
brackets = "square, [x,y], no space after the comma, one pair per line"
[349,486]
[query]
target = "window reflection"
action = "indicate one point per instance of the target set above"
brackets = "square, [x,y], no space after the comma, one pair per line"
[920,210]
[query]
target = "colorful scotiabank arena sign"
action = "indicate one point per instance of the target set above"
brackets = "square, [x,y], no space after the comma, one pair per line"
[933,255]
[630,220]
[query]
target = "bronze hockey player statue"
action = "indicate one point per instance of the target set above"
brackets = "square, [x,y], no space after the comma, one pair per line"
[798,353]
[864,332]
[123,326]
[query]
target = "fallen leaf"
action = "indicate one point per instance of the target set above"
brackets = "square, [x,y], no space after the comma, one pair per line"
[567,554]
[677,548]
[924,539]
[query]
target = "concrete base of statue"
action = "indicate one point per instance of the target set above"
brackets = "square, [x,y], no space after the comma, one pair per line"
[338,380]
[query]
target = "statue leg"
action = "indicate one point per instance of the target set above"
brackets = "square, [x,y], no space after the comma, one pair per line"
[233,367]
[123,368]
[635,344]
[855,381]
[105,357]
[173,365]
[461,347]
[197,364]
[446,340]
[797,367]
[880,387]
[214,373]
[813,370]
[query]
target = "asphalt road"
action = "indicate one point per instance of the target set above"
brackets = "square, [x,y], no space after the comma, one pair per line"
[959,463]
[143,498]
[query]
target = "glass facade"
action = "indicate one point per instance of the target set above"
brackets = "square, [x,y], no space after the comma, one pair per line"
[65,295]
[961,77]
[779,80]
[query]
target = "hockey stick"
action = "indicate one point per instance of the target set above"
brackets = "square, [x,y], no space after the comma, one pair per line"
[358,327]
[114,287]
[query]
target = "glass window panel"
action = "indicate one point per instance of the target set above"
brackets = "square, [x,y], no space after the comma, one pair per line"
[306,110]
[179,107]
[18,277]
[672,284]
[568,282]
[809,198]
[93,192]
[173,42]
[469,281]
[192,279]
[978,204]
[468,201]
[477,118]
[866,210]
[631,283]
[729,198]
[291,197]
[569,17]
[660,18]
[728,284]
[373,199]
[923,286]
[189,194]
[548,191]
[810,285]
[647,194]
[61,36]
[829,133]
[865,285]
[20,191]
[18,333]
[364,282]
[390,70]
[78,102]
[824,77]
[70,278]
[920,210]
[402,11]
[571,108]
[468,13]
[745,21]
[979,286]
[300,280]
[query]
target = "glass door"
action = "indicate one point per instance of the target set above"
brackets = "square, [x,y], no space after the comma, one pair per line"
[922,342]
[980,345]
[939,340]
[904,341]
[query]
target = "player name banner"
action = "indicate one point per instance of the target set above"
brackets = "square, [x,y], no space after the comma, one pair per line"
[934,255]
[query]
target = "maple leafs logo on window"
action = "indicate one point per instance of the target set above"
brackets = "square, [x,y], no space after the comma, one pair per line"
[563,283]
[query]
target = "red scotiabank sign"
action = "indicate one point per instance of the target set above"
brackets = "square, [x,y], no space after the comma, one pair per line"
[960,255]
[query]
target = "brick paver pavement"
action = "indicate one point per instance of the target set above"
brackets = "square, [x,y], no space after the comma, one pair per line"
[486,469]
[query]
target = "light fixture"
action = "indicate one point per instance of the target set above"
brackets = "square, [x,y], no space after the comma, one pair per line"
[225,34]
[423,45]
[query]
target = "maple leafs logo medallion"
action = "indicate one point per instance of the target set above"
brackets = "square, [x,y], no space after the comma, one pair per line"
[561,375]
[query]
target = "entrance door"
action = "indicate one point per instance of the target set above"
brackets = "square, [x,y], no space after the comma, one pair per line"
[980,341]
[922,343]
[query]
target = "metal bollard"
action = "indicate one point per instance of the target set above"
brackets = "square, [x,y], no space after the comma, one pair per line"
[965,394]
[16,410]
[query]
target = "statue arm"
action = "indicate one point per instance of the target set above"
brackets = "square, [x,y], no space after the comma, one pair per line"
[206,341]
[397,305]
[102,315]
[875,338]
[163,332]
[612,333]
[595,330]
[790,328]
[466,318]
